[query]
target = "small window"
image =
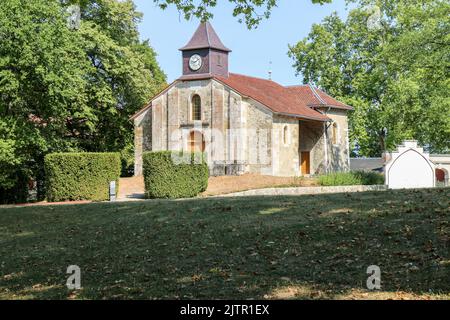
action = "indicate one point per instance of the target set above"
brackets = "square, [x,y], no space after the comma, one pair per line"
[196,108]
[219,60]
[334,136]
[285,135]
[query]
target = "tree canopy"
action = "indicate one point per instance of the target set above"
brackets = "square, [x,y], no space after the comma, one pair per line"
[252,12]
[65,88]
[390,60]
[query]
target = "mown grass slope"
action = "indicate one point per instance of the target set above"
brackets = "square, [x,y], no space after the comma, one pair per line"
[303,247]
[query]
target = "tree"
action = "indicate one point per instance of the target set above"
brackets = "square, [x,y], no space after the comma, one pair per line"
[392,69]
[41,85]
[246,9]
[420,56]
[123,73]
[65,89]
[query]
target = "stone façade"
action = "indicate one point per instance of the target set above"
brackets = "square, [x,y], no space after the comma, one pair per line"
[246,124]
[241,135]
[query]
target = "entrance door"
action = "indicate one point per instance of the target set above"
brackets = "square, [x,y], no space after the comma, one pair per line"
[305,162]
[196,142]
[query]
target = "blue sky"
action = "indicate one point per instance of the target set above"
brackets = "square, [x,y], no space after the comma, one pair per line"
[290,22]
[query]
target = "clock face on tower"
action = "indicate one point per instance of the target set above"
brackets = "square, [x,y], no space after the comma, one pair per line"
[195,62]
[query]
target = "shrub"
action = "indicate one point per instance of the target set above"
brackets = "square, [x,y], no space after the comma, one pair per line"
[81,176]
[18,192]
[165,179]
[370,177]
[351,178]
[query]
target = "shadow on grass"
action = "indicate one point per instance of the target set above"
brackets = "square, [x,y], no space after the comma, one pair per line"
[302,247]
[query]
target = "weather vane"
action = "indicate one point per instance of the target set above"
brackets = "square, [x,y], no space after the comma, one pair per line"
[270,70]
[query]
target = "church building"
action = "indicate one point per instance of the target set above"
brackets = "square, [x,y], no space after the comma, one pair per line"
[242,123]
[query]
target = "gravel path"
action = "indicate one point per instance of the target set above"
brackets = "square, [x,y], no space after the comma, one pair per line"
[231,184]
[131,189]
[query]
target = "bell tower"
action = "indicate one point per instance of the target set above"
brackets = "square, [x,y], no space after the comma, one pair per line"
[204,56]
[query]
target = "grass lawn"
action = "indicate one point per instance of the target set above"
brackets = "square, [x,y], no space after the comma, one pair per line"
[303,247]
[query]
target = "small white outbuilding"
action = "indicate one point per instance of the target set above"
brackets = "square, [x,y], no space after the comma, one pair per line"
[410,167]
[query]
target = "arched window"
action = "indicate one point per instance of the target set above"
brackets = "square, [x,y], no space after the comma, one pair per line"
[334,132]
[285,135]
[196,108]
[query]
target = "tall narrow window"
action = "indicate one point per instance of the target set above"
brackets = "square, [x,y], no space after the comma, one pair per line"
[335,133]
[196,108]
[285,135]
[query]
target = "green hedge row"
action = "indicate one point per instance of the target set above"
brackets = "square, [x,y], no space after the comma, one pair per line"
[183,178]
[351,178]
[81,176]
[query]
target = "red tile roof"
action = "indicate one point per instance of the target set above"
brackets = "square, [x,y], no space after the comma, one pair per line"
[205,37]
[295,101]
[315,97]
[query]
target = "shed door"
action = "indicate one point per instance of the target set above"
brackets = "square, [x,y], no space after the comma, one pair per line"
[305,163]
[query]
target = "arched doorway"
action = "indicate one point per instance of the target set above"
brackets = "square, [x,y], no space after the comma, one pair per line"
[440,175]
[196,142]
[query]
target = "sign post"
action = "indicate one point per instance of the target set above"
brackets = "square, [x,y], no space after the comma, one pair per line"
[112,191]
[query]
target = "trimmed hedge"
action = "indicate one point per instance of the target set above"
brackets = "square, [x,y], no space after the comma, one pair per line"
[351,178]
[165,178]
[81,176]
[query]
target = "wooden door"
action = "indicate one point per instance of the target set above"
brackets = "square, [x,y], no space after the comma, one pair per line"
[305,162]
[196,142]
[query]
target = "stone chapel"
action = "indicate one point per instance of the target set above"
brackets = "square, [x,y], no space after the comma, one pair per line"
[242,123]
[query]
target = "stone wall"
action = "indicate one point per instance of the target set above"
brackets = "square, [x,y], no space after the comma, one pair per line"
[304,191]
[158,123]
[142,139]
[338,154]
[219,125]
[259,123]
[286,153]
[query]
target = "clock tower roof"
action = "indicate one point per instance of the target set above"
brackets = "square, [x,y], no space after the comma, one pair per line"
[205,38]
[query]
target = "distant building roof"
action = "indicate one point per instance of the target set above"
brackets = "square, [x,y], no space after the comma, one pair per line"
[366,164]
[205,37]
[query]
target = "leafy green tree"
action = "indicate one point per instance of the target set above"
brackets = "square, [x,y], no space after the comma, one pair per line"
[69,89]
[41,85]
[123,73]
[419,57]
[247,10]
[389,60]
